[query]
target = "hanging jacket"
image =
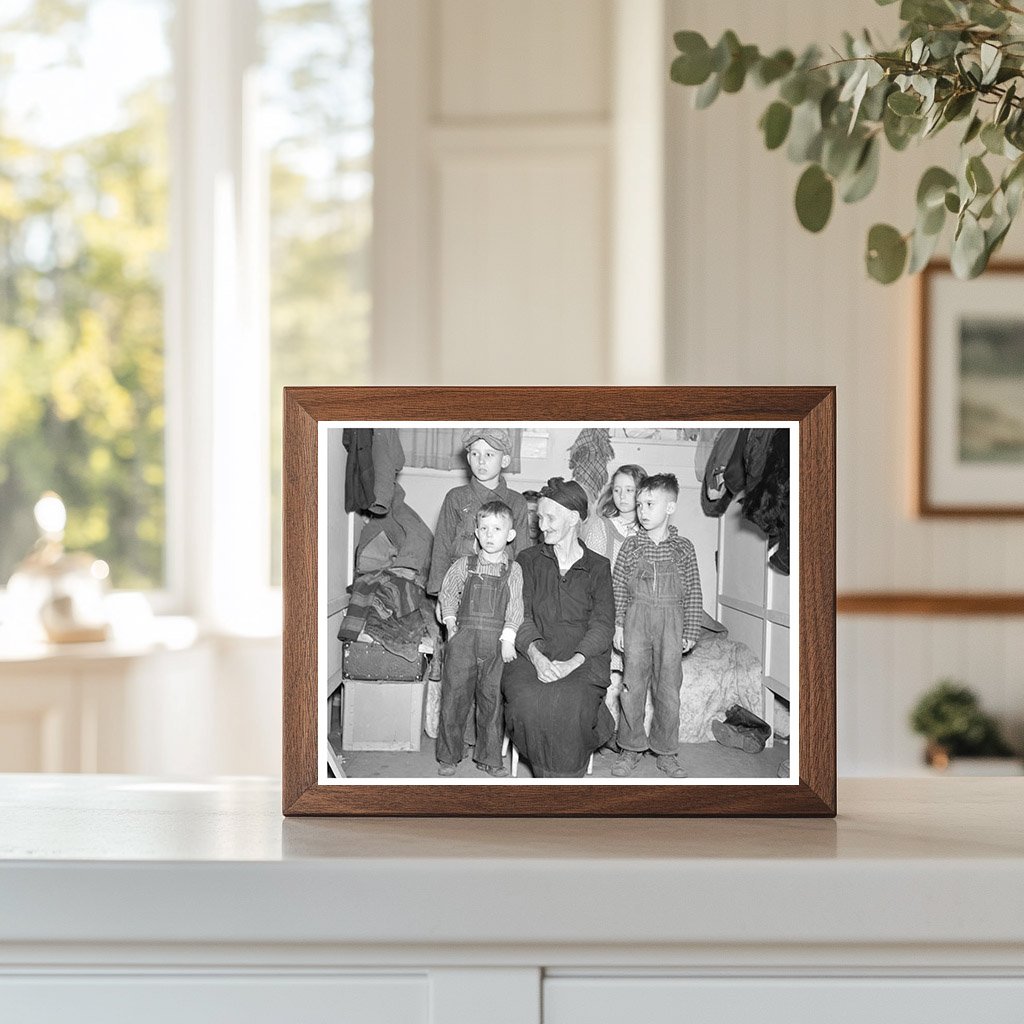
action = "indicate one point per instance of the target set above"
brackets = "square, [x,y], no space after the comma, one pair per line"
[766,504]
[358,469]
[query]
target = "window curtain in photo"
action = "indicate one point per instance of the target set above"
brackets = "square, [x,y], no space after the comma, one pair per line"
[441,448]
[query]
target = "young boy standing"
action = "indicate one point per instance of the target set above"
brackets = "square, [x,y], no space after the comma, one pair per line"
[658,611]
[488,452]
[481,603]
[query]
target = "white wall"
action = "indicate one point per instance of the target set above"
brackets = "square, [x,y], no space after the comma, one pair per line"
[498,175]
[508,141]
[754,299]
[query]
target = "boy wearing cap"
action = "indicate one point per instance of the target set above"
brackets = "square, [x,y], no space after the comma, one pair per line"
[488,452]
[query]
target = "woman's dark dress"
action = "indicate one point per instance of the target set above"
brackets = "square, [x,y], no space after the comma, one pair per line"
[557,726]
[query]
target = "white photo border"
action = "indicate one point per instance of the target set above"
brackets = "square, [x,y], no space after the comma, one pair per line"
[323,636]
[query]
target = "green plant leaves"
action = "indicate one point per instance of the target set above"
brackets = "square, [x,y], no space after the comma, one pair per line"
[775,122]
[887,253]
[993,138]
[978,176]
[805,133]
[931,191]
[969,255]
[956,60]
[904,103]
[771,69]
[693,65]
[865,173]
[814,195]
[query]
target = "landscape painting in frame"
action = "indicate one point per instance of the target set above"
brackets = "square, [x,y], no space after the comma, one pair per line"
[971,412]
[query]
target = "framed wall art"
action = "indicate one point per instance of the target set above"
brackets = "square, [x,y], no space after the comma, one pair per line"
[970,444]
[559,601]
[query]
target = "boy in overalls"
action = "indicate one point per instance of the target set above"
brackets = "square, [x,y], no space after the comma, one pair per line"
[481,604]
[658,612]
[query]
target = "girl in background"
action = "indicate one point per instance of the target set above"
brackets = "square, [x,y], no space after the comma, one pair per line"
[615,518]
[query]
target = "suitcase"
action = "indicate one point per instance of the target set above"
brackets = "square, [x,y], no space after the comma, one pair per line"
[361,660]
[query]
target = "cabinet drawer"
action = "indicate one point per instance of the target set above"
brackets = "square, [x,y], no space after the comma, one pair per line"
[202,999]
[568,1000]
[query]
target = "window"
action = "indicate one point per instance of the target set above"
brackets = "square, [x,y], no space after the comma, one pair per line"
[83,236]
[317,117]
[185,221]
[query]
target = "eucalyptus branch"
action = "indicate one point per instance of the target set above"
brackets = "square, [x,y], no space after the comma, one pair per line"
[834,116]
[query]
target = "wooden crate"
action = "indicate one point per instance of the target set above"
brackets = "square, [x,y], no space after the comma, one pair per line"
[382,715]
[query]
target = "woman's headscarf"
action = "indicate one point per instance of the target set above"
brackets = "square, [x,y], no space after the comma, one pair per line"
[566,493]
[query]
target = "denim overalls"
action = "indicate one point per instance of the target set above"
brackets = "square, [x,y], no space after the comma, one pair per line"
[652,655]
[473,667]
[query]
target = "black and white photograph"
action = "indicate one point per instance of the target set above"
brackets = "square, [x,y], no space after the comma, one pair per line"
[517,603]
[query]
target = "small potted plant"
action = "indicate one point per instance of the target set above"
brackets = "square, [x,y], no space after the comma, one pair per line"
[950,717]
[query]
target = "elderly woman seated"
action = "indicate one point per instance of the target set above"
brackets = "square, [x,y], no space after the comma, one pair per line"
[554,692]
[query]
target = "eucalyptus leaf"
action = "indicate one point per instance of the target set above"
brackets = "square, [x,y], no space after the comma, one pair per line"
[1013,191]
[693,65]
[707,93]
[775,124]
[973,129]
[933,122]
[735,74]
[724,51]
[805,133]
[886,253]
[978,176]
[840,152]
[814,195]
[931,190]
[987,15]
[993,138]
[771,69]
[925,88]
[794,88]
[1004,106]
[865,174]
[899,130]
[944,44]
[873,106]
[904,103]
[952,202]
[922,248]
[991,59]
[995,233]
[932,221]
[958,105]
[1013,187]
[828,104]
[968,247]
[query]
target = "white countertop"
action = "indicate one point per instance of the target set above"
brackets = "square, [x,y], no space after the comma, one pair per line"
[122,859]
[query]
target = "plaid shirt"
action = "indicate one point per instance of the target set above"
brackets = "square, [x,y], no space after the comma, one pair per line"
[673,550]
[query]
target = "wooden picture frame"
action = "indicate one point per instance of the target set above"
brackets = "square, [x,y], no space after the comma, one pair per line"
[969,449]
[809,413]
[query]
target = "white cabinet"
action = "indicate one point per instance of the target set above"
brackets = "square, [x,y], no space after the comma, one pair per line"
[827,1000]
[129,898]
[205,999]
